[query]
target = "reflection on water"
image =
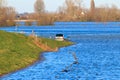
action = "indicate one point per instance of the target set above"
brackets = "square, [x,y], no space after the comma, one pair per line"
[97,51]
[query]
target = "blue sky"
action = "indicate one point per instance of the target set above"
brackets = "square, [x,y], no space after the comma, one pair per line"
[52,5]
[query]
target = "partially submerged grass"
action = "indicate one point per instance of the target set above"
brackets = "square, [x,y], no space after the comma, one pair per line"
[18,51]
[53,43]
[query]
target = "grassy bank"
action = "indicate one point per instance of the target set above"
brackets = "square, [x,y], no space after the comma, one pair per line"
[18,51]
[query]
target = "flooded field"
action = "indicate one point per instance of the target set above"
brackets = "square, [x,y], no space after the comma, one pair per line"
[96,51]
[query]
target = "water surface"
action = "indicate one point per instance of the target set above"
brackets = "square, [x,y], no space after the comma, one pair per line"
[97,48]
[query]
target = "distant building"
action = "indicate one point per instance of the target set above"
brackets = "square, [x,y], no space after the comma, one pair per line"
[82,13]
[92,9]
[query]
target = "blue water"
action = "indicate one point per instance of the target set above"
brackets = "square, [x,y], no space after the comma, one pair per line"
[97,48]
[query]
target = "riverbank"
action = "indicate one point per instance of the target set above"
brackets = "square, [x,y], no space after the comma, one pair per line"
[18,51]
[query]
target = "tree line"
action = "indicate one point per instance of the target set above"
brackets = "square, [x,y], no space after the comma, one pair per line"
[71,10]
[7,14]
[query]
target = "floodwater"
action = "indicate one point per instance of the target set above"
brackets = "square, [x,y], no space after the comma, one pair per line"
[96,49]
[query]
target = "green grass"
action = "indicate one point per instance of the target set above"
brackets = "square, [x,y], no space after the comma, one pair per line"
[53,43]
[18,51]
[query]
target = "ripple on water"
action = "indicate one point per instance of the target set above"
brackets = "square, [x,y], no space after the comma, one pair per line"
[98,57]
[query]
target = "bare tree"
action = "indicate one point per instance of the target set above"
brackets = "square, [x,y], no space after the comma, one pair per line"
[39,6]
[71,11]
[7,14]
[2,3]
[2,10]
[105,13]
[70,6]
[78,3]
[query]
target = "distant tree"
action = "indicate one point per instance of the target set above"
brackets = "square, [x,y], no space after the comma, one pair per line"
[72,10]
[2,3]
[42,17]
[70,6]
[79,11]
[39,6]
[2,10]
[7,14]
[78,3]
